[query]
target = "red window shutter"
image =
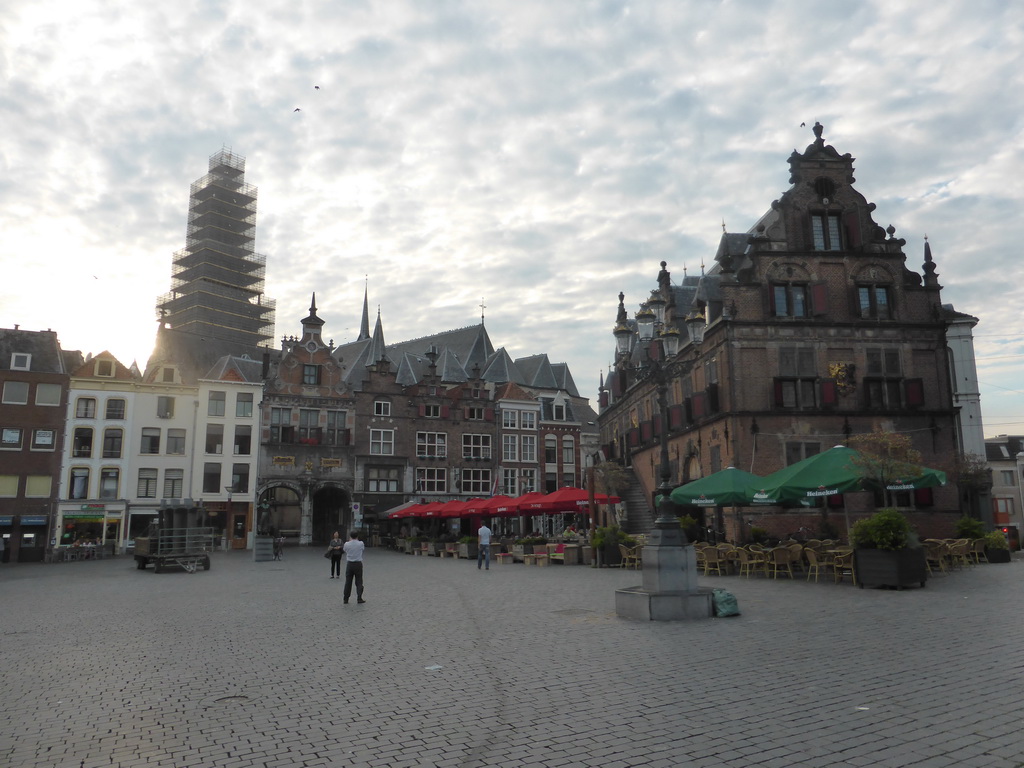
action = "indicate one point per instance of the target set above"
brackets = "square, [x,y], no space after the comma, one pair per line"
[771,300]
[852,221]
[923,497]
[779,400]
[488,414]
[700,405]
[829,393]
[676,414]
[446,411]
[645,431]
[422,410]
[914,391]
[633,437]
[819,298]
[657,426]
[602,398]
[835,500]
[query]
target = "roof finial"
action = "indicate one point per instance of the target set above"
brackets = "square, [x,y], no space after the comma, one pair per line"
[723,225]
[312,305]
[818,128]
[482,308]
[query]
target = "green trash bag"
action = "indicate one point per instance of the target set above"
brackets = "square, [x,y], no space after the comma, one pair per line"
[725,603]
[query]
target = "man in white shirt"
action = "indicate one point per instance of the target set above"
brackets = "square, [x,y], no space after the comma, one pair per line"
[483,546]
[354,567]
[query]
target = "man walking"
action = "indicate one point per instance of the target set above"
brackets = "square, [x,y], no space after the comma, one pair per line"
[483,546]
[354,567]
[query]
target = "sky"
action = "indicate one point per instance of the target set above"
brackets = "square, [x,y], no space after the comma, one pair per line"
[534,157]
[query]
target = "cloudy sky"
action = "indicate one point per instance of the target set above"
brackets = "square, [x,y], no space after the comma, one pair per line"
[534,156]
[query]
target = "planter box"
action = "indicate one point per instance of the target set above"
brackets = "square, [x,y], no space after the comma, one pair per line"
[997,555]
[890,568]
[434,548]
[468,551]
[587,554]
[609,556]
[517,550]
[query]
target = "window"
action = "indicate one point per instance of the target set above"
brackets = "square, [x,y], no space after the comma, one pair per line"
[104,368]
[382,479]
[558,412]
[112,438]
[281,429]
[883,384]
[38,486]
[799,451]
[528,447]
[115,408]
[311,375]
[432,445]
[550,482]
[173,479]
[510,419]
[211,477]
[43,439]
[527,480]
[147,484]
[243,440]
[568,452]
[81,443]
[167,375]
[508,482]
[510,447]
[175,442]
[789,300]
[309,426]
[476,481]
[21,361]
[382,442]
[85,408]
[875,301]
[826,232]
[240,478]
[243,405]
[10,438]
[47,394]
[216,404]
[796,385]
[150,440]
[432,411]
[476,446]
[381,408]
[336,433]
[431,480]
[475,413]
[528,420]
[215,438]
[79,487]
[16,392]
[8,486]
[109,478]
[165,407]
[1009,477]
[550,449]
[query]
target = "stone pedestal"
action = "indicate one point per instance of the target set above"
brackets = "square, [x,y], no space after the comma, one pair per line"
[669,591]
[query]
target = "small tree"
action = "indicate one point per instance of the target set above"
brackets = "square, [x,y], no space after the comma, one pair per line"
[974,478]
[612,479]
[885,457]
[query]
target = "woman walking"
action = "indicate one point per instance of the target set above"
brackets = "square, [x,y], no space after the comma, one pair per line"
[337,549]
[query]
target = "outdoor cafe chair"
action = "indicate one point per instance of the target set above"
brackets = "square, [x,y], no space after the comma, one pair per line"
[935,555]
[629,557]
[780,561]
[814,564]
[842,565]
[712,560]
[797,556]
[750,562]
[978,551]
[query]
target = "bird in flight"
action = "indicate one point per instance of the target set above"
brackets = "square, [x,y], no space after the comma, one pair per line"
[296,110]
[317,87]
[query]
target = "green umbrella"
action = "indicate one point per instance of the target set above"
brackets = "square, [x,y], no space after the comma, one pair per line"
[730,487]
[825,474]
[929,478]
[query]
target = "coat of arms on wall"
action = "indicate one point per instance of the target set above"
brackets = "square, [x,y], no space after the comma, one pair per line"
[843,374]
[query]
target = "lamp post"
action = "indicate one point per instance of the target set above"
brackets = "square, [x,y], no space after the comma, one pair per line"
[669,591]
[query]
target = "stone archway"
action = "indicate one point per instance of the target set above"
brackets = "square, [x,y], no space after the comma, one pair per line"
[331,512]
[279,511]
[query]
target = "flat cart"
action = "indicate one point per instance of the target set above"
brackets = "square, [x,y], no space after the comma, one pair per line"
[187,548]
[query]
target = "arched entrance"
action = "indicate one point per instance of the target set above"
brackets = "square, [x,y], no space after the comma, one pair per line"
[279,512]
[330,513]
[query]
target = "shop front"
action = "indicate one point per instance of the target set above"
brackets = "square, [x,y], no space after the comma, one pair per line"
[24,537]
[93,525]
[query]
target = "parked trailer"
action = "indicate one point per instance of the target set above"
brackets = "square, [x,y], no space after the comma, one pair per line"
[187,548]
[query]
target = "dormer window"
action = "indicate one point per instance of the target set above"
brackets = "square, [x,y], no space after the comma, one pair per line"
[311,375]
[167,375]
[826,232]
[21,361]
[105,368]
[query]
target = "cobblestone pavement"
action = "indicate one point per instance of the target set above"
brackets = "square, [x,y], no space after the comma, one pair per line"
[260,664]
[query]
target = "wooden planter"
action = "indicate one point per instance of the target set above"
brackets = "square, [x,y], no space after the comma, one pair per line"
[517,550]
[468,551]
[997,555]
[890,568]
[434,548]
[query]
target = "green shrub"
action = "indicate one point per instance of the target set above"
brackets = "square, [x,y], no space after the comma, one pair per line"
[758,534]
[995,540]
[969,528]
[886,529]
[611,535]
[467,540]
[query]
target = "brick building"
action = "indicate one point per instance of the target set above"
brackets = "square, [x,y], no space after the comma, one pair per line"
[814,329]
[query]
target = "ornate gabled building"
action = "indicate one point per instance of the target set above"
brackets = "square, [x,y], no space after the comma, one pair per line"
[445,416]
[810,328]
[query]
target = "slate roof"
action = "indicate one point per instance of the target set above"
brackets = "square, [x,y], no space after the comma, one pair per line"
[196,355]
[42,345]
[232,368]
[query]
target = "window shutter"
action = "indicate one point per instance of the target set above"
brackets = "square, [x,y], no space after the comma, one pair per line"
[465,413]
[676,414]
[819,299]
[779,401]
[488,414]
[852,221]
[913,389]
[645,431]
[771,300]
[602,398]
[422,410]
[446,411]
[923,497]
[712,391]
[633,437]
[829,393]
[657,425]
[700,405]
[835,500]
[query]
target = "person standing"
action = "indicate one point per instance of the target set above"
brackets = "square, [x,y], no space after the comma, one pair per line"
[354,567]
[336,549]
[483,546]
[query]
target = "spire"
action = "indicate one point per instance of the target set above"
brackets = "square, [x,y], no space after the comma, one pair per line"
[930,277]
[377,350]
[364,326]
